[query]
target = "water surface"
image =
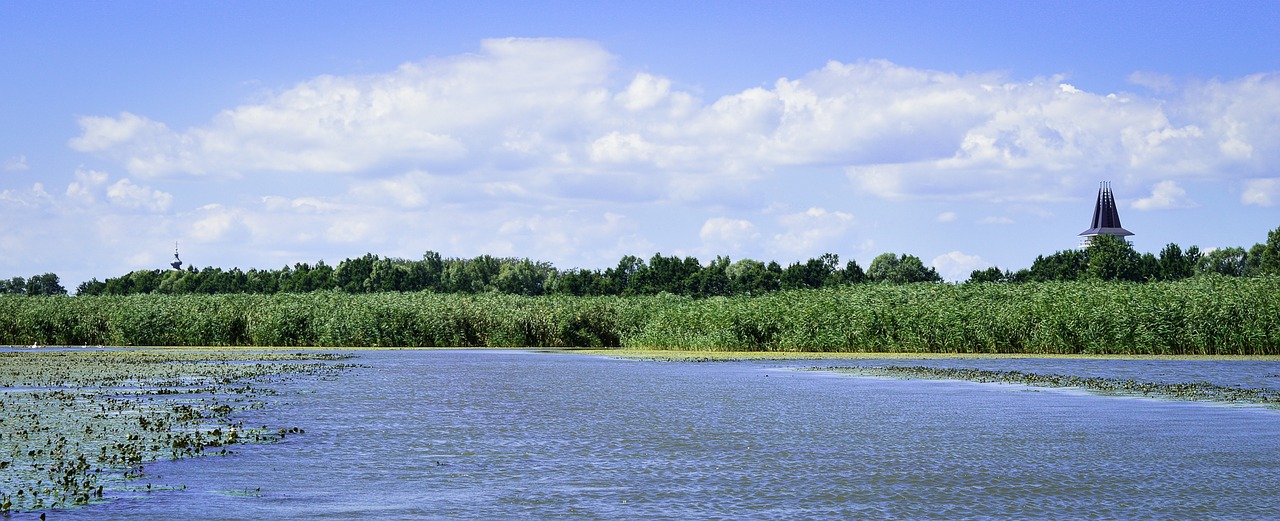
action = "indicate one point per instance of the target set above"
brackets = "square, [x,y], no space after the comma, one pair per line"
[513,434]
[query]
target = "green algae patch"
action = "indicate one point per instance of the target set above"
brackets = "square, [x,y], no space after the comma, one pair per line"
[78,425]
[1189,391]
[694,355]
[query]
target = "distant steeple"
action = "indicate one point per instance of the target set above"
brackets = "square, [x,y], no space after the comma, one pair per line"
[177,263]
[1106,220]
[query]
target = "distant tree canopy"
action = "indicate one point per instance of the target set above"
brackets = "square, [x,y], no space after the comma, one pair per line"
[1112,258]
[39,285]
[1107,258]
[900,269]
[486,274]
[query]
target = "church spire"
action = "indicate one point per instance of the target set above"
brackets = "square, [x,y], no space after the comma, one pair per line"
[1106,219]
[177,263]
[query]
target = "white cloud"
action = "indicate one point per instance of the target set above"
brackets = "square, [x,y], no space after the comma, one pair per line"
[407,191]
[811,233]
[723,235]
[645,92]
[361,220]
[615,147]
[35,197]
[546,114]
[1165,195]
[955,266]
[434,112]
[998,220]
[16,164]
[946,217]
[88,182]
[1261,192]
[214,223]
[129,195]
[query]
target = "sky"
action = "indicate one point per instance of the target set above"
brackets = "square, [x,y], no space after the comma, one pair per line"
[968,134]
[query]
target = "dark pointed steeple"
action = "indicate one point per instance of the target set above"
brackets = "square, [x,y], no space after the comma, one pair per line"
[1106,220]
[177,263]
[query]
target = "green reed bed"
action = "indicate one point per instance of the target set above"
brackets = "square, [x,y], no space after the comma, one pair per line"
[1204,316]
[78,426]
[1199,316]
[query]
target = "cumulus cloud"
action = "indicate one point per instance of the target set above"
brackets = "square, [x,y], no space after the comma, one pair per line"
[956,266]
[407,191]
[432,113]
[84,189]
[129,195]
[725,235]
[1261,192]
[16,164]
[1165,195]
[645,92]
[546,114]
[214,222]
[812,232]
[366,219]
[34,197]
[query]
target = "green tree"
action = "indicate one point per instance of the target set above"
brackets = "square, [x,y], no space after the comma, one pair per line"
[1253,260]
[426,274]
[14,286]
[752,277]
[90,287]
[1223,261]
[1063,265]
[45,285]
[624,276]
[1173,264]
[305,278]
[581,282]
[524,278]
[813,273]
[712,280]
[352,275]
[1148,267]
[1269,257]
[852,273]
[990,275]
[262,281]
[457,279]
[667,274]
[1112,258]
[900,269]
[484,271]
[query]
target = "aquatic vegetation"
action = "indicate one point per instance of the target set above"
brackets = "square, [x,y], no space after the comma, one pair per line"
[1194,391]
[1197,316]
[77,424]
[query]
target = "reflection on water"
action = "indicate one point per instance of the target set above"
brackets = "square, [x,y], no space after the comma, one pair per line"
[506,434]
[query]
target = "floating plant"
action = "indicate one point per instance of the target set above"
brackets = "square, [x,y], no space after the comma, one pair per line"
[75,425]
[1194,391]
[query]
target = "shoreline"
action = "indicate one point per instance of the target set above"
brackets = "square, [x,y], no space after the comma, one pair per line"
[680,354]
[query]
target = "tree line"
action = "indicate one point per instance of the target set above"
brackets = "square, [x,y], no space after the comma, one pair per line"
[370,273]
[1107,258]
[43,285]
[1112,258]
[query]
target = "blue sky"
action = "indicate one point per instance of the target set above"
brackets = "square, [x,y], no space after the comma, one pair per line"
[969,134]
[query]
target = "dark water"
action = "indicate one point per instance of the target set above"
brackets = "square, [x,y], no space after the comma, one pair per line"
[506,434]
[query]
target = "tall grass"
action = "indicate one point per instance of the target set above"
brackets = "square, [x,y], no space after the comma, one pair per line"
[1204,315]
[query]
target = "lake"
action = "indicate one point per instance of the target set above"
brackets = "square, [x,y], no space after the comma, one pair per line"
[521,434]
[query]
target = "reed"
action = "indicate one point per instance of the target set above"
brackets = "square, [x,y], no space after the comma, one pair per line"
[1206,315]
